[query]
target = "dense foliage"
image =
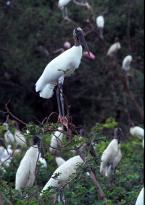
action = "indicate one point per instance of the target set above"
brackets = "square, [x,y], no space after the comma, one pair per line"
[95,92]
[122,189]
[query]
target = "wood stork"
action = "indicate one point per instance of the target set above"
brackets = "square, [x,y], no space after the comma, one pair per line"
[63,65]
[59,161]
[25,175]
[138,132]
[56,141]
[17,137]
[100,21]
[126,64]
[64,172]
[112,155]
[62,4]
[113,49]
[140,199]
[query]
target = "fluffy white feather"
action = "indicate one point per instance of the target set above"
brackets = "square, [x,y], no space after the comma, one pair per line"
[113,49]
[64,172]
[126,65]
[140,199]
[56,140]
[25,175]
[63,65]
[110,158]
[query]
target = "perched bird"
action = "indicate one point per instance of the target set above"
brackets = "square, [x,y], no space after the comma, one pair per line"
[126,64]
[25,175]
[56,141]
[138,132]
[113,49]
[63,173]
[59,161]
[17,137]
[63,65]
[5,153]
[100,21]
[62,4]
[140,199]
[112,155]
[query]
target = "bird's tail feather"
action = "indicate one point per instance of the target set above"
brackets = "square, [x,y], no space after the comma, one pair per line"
[48,91]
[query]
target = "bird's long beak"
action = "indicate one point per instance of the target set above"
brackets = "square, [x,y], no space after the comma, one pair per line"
[84,43]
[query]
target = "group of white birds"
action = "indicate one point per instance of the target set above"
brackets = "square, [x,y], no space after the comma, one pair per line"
[53,75]
[26,172]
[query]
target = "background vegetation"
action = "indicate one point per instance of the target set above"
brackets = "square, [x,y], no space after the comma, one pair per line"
[30,32]
[94,91]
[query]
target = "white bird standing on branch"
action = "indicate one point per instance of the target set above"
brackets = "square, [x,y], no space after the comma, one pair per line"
[25,175]
[100,21]
[63,65]
[63,173]
[113,49]
[140,199]
[112,155]
[138,132]
[126,65]
[17,137]
[56,141]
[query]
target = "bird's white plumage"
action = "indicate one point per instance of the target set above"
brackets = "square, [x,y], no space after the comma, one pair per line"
[63,65]
[138,132]
[19,137]
[110,158]
[25,175]
[59,161]
[63,3]
[126,65]
[100,22]
[113,49]
[140,199]
[64,172]
[56,140]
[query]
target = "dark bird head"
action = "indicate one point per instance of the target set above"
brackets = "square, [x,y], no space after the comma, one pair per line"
[79,38]
[118,134]
[36,140]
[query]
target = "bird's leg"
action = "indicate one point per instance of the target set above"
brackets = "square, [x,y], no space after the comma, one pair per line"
[64,119]
[65,14]
[58,102]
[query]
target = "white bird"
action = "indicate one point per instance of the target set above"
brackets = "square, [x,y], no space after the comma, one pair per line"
[59,161]
[63,3]
[126,64]
[113,49]
[100,21]
[63,173]
[56,141]
[17,137]
[138,132]
[111,156]
[62,65]
[140,199]
[9,137]
[25,175]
